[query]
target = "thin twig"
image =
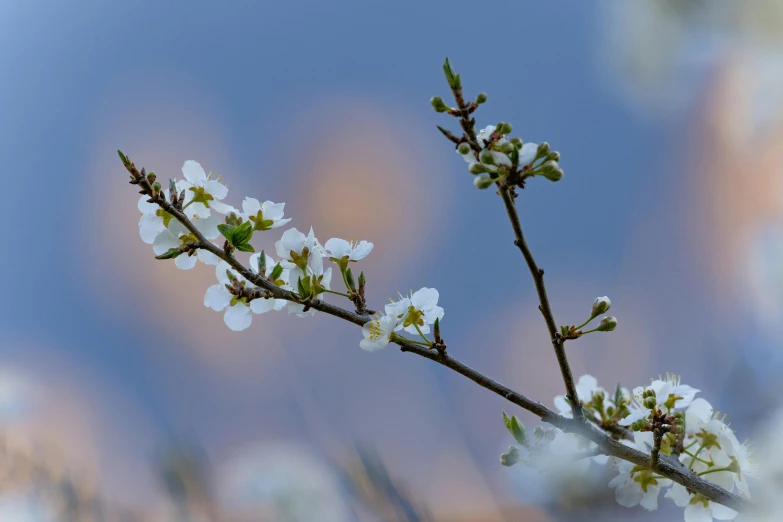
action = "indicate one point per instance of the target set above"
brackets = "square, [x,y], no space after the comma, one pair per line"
[538,278]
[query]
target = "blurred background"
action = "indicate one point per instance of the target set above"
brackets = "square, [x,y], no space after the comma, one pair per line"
[122,398]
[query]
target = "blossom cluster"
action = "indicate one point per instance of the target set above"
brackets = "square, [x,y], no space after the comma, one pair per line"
[300,268]
[686,427]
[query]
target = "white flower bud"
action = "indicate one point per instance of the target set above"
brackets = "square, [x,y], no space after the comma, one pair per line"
[607,324]
[463,148]
[601,305]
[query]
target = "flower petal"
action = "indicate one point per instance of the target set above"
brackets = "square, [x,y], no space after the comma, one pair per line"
[193,172]
[216,189]
[185,262]
[238,317]
[262,306]
[217,297]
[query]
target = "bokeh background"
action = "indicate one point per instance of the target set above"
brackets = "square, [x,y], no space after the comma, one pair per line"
[123,398]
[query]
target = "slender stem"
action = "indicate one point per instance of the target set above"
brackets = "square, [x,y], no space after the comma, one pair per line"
[546,310]
[336,293]
[667,467]
[713,471]
[429,343]
[695,456]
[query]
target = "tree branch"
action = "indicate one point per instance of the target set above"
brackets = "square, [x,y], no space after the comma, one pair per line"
[668,467]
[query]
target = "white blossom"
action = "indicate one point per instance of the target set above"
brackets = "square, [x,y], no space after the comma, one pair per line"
[176,235]
[265,216]
[341,251]
[238,312]
[314,269]
[420,309]
[586,389]
[634,486]
[699,509]
[670,395]
[377,333]
[291,246]
[201,192]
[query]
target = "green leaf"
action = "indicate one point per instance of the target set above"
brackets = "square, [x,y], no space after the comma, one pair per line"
[451,78]
[276,272]
[123,157]
[245,247]
[171,253]
[242,234]
[227,231]
[516,428]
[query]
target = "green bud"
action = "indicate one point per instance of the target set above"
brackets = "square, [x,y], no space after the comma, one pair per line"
[349,279]
[262,263]
[156,187]
[171,253]
[639,425]
[436,328]
[476,168]
[438,104]
[230,275]
[481,98]
[649,403]
[151,177]
[553,175]
[517,142]
[516,428]
[600,306]
[543,150]
[648,393]
[503,128]
[607,324]
[173,186]
[678,429]
[362,280]
[463,148]
[508,148]
[486,157]
[554,156]
[548,166]
[483,181]
[511,457]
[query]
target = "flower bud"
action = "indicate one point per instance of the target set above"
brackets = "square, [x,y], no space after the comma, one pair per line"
[476,168]
[600,306]
[553,175]
[463,148]
[517,142]
[649,403]
[648,393]
[553,156]
[503,128]
[486,157]
[678,429]
[438,104]
[483,181]
[639,425]
[151,177]
[543,150]
[173,187]
[481,98]
[156,187]
[511,457]
[262,263]
[607,324]
[507,148]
